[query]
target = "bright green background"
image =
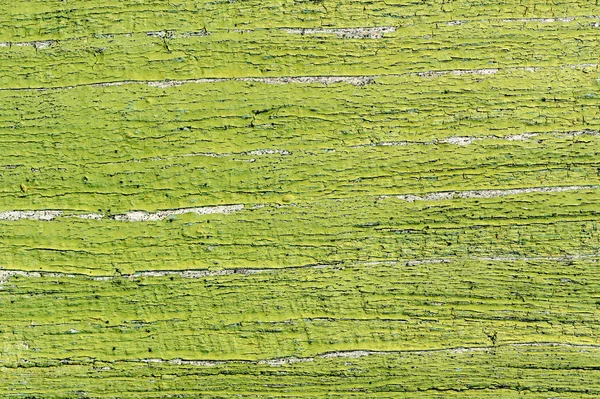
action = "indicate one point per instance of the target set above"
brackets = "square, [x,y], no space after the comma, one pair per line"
[326,284]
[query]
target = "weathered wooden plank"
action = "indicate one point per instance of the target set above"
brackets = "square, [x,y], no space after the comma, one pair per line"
[276,53]
[318,232]
[517,369]
[42,20]
[110,188]
[376,307]
[122,148]
[299,199]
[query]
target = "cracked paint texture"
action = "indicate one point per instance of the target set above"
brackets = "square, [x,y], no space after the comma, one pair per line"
[299,199]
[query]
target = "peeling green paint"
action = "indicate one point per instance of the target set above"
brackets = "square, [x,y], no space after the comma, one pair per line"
[412,208]
[132,147]
[516,370]
[268,53]
[387,306]
[539,224]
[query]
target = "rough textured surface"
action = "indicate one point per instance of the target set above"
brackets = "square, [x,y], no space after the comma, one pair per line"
[299,199]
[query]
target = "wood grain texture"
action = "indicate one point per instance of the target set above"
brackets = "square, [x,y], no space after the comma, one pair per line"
[300,199]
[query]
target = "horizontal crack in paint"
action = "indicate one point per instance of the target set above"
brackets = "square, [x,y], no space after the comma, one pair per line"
[353,354]
[448,195]
[467,140]
[133,216]
[6,274]
[347,33]
[358,80]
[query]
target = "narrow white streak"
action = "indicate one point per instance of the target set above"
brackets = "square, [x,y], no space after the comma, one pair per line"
[390,144]
[417,262]
[491,71]
[94,278]
[432,74]
[458,350]
[470,350]
[199,273]
[285,360]
[161,84]
[43,44]
[7,274]
[448,195]
[354,354]
[542,20]
[589,65]
[562,258]
[459,140]
[39,45]
[346,33]
[520,137]
[141,216]
[99,36]
[455,23]
[171,34]
[450,140]
[460,72]
[173,83]
[467,140]
[578,133]
[525,20]
[485,71]
[32,215]
[203,363]
[212,363]
[554,344]
[201,33]
[325,80]
[409,262]
[94,216]
[193,154]
[190,273]
[162,33]
[110,84]
[267,151]
[133,216]
[194,273]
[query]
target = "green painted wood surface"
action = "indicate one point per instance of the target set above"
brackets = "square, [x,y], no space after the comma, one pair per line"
[285,199]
